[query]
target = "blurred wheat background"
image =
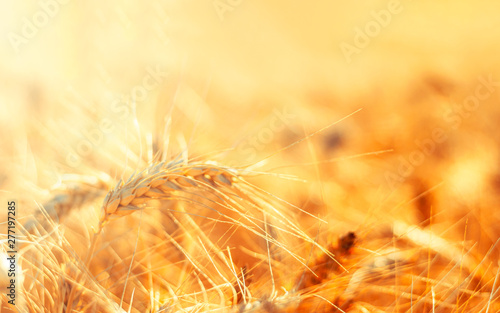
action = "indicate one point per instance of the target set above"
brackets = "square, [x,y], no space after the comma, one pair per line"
[94,92]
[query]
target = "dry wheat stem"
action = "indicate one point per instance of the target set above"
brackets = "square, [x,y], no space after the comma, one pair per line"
[160,181]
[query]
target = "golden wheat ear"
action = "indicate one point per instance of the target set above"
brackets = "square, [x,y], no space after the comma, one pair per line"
[213,222]
[159,182]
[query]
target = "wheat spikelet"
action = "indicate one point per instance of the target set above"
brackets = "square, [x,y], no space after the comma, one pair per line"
[214,223]
[159,181]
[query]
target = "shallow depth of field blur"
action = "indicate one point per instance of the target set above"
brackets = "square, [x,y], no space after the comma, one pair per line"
[88,87]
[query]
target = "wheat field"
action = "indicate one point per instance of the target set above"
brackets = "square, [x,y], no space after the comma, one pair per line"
[249,156]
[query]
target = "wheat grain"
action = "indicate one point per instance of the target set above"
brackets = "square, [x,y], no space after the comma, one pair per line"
[158,182]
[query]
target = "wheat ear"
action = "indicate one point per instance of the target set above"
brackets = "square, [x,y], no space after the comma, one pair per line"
[156,182]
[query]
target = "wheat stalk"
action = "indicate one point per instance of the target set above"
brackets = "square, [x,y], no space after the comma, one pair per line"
[166,181]
[158,182]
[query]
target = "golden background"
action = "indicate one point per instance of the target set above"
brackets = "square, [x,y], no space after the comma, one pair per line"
[238,81]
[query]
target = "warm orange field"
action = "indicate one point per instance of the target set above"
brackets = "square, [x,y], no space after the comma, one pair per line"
[250,156]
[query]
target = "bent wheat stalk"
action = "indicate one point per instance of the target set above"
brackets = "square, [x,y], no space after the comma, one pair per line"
[230,198]
[158,182]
